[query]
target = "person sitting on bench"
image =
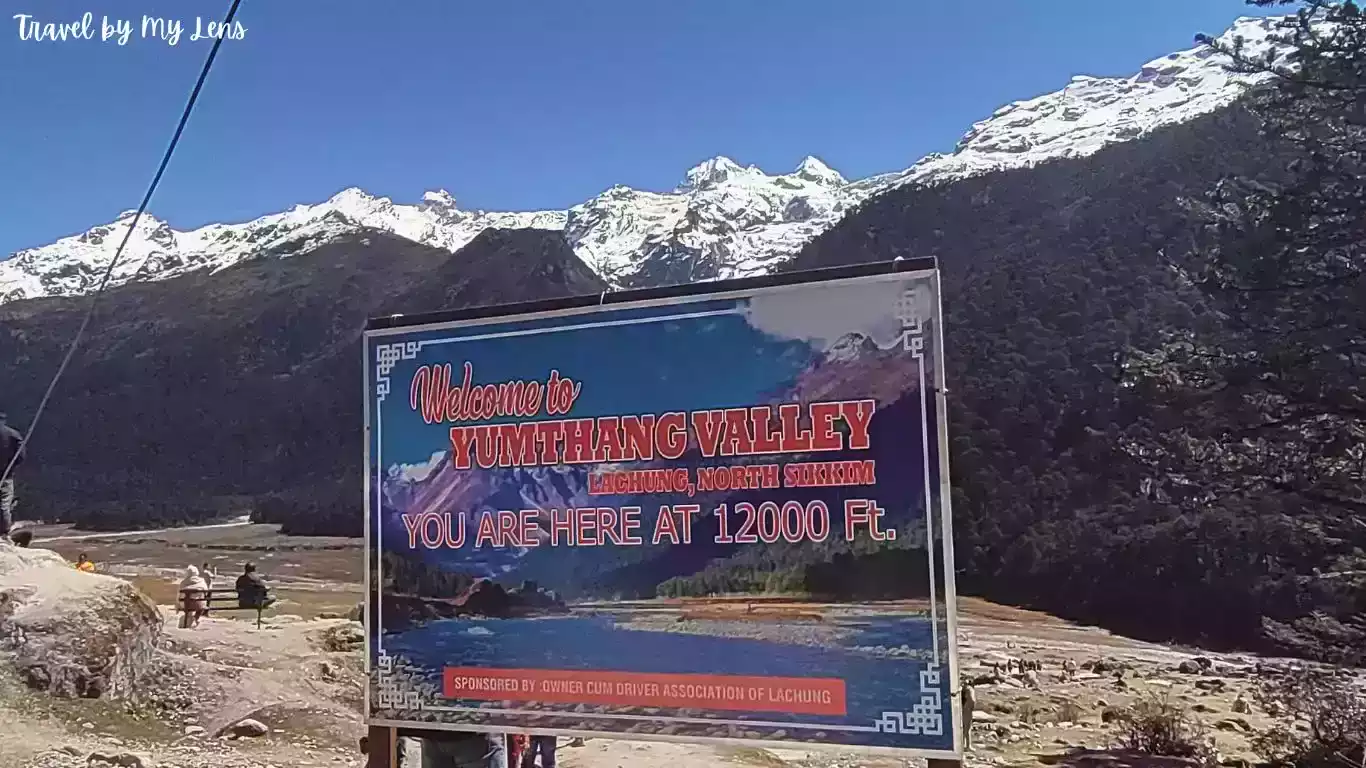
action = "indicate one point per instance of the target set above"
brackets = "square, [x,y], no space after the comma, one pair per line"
[252,591]
[194,598]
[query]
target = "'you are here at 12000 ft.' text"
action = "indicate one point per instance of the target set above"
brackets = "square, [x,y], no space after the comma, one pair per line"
[743,523]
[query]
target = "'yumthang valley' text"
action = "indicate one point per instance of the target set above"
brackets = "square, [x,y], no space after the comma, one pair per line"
[748,431]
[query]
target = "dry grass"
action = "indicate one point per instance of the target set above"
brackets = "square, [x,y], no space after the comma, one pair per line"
[1070,711]
[756,757]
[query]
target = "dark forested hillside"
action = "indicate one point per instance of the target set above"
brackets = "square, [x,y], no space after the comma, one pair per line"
[1051,277]
[214,394]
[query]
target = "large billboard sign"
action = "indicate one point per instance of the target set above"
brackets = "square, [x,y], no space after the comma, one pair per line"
[712,513]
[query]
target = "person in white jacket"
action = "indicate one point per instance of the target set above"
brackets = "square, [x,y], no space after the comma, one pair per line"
[194,598]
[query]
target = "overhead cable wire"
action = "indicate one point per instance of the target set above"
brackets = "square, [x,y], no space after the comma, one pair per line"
[118,253]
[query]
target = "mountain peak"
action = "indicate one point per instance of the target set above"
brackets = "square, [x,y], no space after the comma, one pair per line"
[812,169]
[710,173]
[147,220]
[351,196]
[439,197]
[128,215]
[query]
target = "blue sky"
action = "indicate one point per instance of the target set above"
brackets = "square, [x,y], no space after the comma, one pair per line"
[522,104]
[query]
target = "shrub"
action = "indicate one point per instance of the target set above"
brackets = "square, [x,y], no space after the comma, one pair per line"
[1324,724]
[1155,726]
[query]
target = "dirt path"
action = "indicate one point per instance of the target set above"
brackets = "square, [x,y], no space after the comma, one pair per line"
[25,731]
[207,680]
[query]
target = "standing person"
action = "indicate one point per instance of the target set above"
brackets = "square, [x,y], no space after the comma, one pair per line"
[517,747]
[11,449]
[208,574]
[192,598]
[455,750]
[545,745]
[969,705]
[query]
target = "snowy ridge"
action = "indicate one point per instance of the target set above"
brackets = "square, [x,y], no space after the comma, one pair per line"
[723,221]
[74,265]
[1092,113]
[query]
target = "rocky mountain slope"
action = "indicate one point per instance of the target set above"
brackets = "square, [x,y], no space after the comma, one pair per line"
[722,221]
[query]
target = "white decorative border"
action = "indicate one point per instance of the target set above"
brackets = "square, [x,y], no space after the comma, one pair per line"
[386,357]
[912,319]
[926,717]
[913,316]
[400,685]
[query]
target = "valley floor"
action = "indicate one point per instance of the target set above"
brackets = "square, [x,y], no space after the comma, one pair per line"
[301,677]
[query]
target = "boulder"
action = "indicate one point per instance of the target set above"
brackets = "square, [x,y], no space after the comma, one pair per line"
[120,759]
[342,638]
[249,729]
[1236,724]
[73,634]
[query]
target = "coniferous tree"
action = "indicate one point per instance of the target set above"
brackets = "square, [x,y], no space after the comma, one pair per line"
[1263,413]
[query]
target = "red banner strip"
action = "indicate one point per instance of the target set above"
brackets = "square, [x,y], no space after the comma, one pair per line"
[796,695]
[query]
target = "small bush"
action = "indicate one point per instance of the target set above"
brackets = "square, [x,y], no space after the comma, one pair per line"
[1329,709]
[1155,726]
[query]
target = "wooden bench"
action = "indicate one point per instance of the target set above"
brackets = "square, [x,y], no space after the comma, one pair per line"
[216,600]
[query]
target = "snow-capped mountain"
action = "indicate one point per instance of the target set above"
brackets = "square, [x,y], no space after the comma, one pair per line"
[723,221]
[1092,113]
[75,264]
